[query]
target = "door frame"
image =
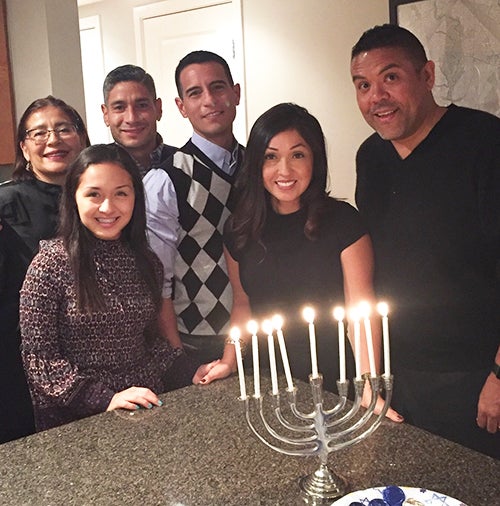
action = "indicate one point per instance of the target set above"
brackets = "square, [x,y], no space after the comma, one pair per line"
[144,12]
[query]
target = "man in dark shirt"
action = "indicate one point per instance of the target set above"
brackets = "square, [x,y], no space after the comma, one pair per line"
[428,186]
[131,110]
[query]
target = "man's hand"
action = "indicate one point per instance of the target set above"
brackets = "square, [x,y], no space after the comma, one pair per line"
[488,407]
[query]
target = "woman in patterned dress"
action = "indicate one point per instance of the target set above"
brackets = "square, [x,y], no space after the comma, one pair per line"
[90,300]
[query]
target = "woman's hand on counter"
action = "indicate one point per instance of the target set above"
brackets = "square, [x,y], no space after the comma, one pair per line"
[206,373]
[391,413]
[133,398]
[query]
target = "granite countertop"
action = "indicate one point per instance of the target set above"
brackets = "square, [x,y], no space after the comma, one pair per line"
[197,450]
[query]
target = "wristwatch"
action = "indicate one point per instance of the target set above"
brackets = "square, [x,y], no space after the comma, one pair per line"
[496,370]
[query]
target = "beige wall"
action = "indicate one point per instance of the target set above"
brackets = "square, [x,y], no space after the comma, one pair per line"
[45,51]
[294,50]
[117,29]
[299,51]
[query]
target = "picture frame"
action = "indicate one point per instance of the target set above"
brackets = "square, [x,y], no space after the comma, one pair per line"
[460,37]
[393,9]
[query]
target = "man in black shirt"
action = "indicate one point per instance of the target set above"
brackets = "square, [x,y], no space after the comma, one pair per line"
[428,186]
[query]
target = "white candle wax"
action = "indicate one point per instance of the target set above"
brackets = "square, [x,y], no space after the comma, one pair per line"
[235,337]
[383,311]
[308,314]
[364,311]
[369,345]
[252,328]
[267,326]
[338,314]
[278,322]
[357,342]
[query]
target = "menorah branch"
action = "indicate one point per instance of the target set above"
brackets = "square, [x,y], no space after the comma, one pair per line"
[331,424]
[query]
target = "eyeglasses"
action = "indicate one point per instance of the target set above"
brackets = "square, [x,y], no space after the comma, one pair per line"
[41,135]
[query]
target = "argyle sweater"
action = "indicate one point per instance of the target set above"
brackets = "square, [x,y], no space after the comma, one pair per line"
[205,198]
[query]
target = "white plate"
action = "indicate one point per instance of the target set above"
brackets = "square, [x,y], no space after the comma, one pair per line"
[420,496]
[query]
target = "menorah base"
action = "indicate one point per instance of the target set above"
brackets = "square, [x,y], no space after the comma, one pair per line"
[323,484]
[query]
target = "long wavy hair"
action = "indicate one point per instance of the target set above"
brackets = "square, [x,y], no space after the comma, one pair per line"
[80,242]
[249,217]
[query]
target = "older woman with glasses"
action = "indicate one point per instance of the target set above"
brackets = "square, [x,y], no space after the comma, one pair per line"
[50,135]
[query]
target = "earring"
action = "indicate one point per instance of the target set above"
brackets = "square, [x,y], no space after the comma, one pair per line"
[28,166]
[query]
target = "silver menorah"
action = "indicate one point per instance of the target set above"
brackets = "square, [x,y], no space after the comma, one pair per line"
[321,431]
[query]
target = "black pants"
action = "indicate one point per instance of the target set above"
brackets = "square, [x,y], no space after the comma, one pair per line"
[204,348]
[16,411]
[445,403]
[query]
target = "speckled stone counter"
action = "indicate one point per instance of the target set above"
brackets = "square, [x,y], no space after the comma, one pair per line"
[197,450]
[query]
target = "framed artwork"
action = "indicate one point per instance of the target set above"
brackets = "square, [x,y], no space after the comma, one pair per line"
[7,124]
[463,39]
[393,9]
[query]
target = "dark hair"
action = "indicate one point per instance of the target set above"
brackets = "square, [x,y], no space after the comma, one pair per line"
[22,170]
[128,73]
[249,217]
[392,36]
[200,57]
[80,242]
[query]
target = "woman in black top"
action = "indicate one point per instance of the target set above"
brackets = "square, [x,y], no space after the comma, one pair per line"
[50,135]
[288,244]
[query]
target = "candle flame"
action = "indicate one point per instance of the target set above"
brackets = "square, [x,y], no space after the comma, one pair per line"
[383,308]
[277,321]
[354,314]
[308,314]
[364,309]
[235,334]
[338,313]
[267,327]
[252,327]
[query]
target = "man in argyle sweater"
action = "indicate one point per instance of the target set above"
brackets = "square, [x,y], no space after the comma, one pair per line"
[188,201]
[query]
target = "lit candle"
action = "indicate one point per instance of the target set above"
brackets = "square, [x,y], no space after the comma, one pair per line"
[278,323]
[252,328]
[383,310]
[235,335]
[309,315]
[364,309]
[354,314]
[339,314]
[267,327]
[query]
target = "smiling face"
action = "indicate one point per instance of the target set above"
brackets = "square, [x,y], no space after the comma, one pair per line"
[393,96]
[105,199]
[50,160]
[209,101]
[287,170]
[131,113]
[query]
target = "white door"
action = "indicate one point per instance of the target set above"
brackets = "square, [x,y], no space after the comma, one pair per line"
[167,31]
[93,77]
